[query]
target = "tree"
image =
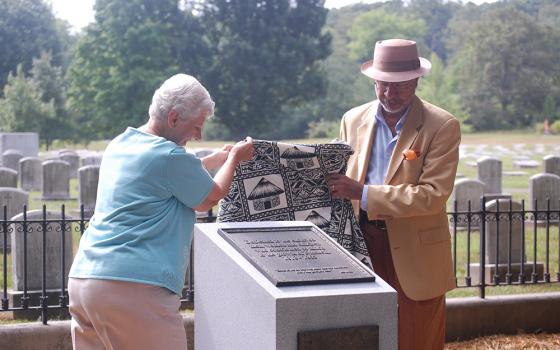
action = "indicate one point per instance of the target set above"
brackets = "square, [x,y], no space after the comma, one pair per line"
[27,27]
[380,24]
[506,67]
[21,108]
[436,14]
[123,57]
[440,88]
[266,56]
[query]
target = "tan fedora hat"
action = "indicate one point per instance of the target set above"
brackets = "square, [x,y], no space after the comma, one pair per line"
[396,60]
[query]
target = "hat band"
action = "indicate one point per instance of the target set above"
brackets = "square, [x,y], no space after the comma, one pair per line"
[398,66]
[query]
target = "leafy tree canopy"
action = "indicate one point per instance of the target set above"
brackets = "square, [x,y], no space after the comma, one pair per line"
[265,56]
[27,27]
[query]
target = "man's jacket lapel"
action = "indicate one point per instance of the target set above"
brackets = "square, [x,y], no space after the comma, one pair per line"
[409,132]
[365,141]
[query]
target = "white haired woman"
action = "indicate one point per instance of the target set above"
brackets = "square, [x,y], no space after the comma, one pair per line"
[128,274]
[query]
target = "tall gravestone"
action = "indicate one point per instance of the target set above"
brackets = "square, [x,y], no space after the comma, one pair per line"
[25,142]
[10,159]
[34,248]
[73,159]
[490,173]
[466,190]
[30,173]
[56,180]
[8,177]
[551,164]
[14,199]
[88,178]
[504,245]
[544,188]
[90,160]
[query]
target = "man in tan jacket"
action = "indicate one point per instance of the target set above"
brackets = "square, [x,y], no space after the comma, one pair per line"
[399,179]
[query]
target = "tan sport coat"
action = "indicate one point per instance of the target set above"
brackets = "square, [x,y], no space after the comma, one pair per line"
[412,200]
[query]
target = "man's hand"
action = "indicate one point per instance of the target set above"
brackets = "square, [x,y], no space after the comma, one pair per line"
[217,159]
[342,186]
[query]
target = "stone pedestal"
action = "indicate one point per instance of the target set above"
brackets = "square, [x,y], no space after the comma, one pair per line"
[490,270]
[237,307]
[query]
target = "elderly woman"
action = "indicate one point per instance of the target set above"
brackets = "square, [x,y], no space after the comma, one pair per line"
[129,271]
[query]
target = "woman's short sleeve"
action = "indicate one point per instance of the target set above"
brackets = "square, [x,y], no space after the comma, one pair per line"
[187,178]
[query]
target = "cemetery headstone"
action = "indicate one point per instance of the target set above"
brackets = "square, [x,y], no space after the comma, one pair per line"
[503,245]
[466,190]
[8,177]
[34,247]
[490,173]
[73,160]
[30,173]
[544,188]
[56,180]
[552,164]
[14,199]
[90,160]
[10,159]
[88,178]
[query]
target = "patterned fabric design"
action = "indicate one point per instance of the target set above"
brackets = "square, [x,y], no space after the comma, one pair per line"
[286,182]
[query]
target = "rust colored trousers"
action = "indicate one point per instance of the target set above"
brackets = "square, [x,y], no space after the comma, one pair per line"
[421,323]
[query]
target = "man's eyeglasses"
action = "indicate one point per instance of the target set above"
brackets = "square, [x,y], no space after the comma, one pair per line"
[401,85]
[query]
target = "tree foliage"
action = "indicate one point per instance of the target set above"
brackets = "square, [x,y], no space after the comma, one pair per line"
[27,27]
[123,57]
[506,68]
[22,109]
[265,57]
[439,87]
[372,26]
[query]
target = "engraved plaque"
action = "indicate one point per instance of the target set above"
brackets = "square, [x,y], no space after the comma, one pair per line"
[290,256]
[353,338]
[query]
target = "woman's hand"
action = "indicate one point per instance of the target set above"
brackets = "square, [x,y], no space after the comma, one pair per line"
[243,150]
[218,158]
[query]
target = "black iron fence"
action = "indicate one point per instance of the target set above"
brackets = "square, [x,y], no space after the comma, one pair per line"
[504,244]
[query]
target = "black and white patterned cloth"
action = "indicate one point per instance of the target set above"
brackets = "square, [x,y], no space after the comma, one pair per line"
[286,182]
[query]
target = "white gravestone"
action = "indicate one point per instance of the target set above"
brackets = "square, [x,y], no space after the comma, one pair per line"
[490,173]
[544,188]
[552,164]
[30,173]
[56,180]
[25,142]
[8,177]
[10,159]
[14,199]
[74,160]
[34,249]
[88,177]
[237,307]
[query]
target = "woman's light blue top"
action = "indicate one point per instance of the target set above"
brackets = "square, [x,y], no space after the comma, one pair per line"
[143,223]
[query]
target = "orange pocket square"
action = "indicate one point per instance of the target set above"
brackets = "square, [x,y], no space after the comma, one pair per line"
[411,154]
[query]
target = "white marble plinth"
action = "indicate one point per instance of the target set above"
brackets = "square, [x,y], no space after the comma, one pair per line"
[237,307]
